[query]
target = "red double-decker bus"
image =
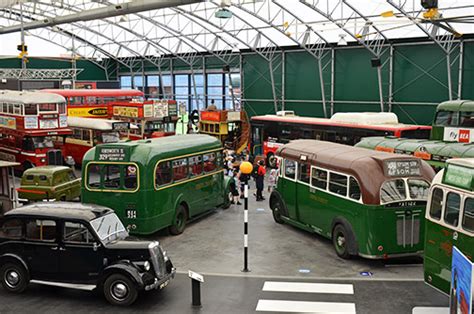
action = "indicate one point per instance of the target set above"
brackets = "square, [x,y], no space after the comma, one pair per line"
[269,132]
[154,118]
[33,126]
[96,103]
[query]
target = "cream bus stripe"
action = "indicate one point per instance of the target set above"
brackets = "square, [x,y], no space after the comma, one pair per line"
[304,307]
[307,287]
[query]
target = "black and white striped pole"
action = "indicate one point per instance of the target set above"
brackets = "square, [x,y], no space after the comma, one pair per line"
[246,168]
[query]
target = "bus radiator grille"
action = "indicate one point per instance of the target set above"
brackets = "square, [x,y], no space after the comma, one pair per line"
[408,230]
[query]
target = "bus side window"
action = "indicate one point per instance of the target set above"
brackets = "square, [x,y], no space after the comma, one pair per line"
[290,169]
[354,189]
[319,178]
[163,173]
[195,165]
[210,162]
[86,135]
[130,179]
[303,172]
[180,169]
[451,211]
[436,204]
[93,176]
[338,183]
[468,216]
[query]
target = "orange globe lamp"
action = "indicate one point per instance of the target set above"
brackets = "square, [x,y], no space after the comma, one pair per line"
[246,167]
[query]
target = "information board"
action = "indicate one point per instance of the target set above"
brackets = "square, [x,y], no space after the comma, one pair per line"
[172,109]
[31,122]
[8,122]
[111,154]
[402,168]
[122,111]
[458,176]
[120,126]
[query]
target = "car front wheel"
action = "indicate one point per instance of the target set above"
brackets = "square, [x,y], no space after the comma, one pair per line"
[14,277]
[120,290]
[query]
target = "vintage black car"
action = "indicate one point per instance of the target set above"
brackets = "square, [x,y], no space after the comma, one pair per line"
[78,245]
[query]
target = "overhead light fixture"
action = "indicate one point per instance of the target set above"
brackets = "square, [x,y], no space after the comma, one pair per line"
[342,40]
[223,13]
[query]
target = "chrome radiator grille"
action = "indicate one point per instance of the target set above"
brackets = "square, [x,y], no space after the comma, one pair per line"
[157,259]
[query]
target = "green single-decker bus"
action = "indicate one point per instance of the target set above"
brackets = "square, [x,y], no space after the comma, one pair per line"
[157,183]
[369,203]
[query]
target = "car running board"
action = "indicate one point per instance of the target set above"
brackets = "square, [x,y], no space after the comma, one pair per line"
[65,285]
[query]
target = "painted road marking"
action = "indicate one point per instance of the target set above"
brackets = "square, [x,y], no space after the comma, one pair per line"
[307,287]
[304,307]
[430,310]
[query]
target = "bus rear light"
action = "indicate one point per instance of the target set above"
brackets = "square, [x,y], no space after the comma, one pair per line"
[380,248]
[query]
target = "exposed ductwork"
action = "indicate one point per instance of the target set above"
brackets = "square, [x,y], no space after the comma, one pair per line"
[100,13]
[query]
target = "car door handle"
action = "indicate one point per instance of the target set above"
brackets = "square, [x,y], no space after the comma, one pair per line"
[54,248]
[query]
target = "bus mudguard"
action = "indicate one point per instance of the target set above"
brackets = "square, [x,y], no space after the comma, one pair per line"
[276,196]
[353,246]
[181,200]
[124,268]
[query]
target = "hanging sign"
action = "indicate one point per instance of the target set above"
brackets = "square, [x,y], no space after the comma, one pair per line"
[458,135]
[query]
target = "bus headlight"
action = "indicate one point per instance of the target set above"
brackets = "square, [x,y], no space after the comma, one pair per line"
[43,160]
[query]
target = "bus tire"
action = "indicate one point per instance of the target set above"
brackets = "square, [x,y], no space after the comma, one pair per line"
[179,220]
[341,241]
[278,207]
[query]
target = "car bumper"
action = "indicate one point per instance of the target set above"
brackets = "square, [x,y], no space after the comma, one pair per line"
[163,282]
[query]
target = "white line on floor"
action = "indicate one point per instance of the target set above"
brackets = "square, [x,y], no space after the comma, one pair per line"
[304,307]
[430,310]
[307,287]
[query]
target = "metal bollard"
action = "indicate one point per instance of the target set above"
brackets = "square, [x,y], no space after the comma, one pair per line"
[246,228]
[196,280]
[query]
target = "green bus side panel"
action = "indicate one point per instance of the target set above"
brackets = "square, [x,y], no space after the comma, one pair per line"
[438,254]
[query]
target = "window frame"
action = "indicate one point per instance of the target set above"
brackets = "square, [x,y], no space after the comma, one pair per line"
[460,209]
[87,226]
[121,189]
[33,219]
[284,169]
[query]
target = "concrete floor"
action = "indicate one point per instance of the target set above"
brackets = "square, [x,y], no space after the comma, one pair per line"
[214,245]
[221,294]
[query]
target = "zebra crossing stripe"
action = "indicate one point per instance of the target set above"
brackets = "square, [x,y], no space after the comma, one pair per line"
[305,307]
[307,287]
[430,310]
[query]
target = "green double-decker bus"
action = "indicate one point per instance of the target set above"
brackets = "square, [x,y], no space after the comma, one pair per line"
[157,183]
[449,221]
[369,203]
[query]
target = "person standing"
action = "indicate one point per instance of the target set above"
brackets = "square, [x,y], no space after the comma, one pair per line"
[272,179]
[260,180]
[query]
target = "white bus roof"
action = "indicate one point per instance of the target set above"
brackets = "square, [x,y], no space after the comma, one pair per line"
[367,118]
[27,97]
[4,164]
[95,124]
[465,162]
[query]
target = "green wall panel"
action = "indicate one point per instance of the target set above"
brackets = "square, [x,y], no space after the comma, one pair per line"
[468,74]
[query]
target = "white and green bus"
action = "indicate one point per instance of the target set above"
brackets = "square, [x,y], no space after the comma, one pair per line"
[449,220]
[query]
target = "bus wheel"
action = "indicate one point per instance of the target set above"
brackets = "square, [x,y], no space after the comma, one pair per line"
[276,210]
[179,222]
[340,241]
[227,200]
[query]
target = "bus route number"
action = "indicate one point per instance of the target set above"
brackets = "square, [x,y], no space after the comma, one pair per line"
[131,214]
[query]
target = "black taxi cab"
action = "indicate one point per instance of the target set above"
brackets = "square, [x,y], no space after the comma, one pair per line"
[78,246]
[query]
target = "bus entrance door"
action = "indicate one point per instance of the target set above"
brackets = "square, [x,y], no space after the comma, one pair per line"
[288,188]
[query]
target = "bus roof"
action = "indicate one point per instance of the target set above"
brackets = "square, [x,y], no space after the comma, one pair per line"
[95,124]
[150,150]
[94,92]
[358,162]
[4,164]
[28,97]
[323,121]
[436,149]
[456,105]
[465,162]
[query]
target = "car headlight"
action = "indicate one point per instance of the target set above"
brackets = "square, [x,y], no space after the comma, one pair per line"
[147,266]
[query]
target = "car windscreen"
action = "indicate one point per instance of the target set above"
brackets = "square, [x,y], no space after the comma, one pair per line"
[110,137]
[109,228]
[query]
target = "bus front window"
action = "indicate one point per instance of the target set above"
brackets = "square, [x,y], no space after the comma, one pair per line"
[446,118]
[43,142]
[110,137]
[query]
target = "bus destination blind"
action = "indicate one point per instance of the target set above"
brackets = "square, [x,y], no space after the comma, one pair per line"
[402,168]
[111,154]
